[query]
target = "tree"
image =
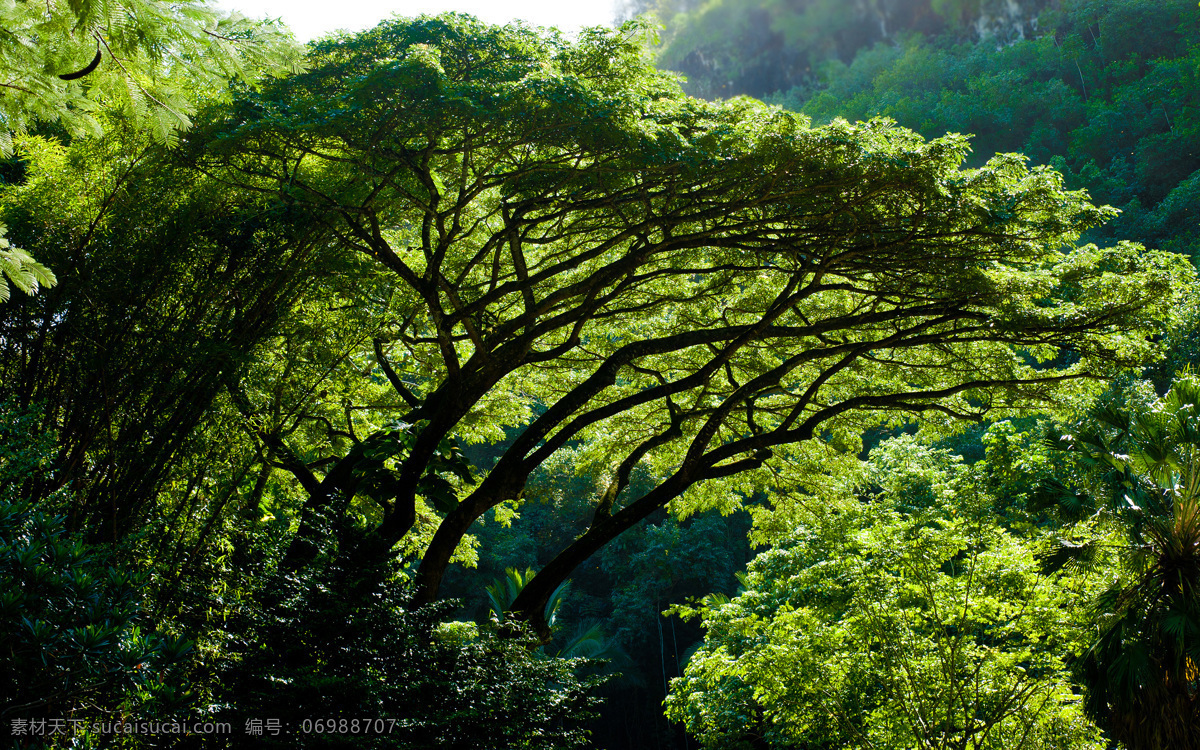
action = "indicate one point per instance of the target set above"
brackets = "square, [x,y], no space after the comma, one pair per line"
[571,248]
[74,628]
[904,618]
[1143,463]
[169,282]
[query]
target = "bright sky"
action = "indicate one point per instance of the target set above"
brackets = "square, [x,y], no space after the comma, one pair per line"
[312,18]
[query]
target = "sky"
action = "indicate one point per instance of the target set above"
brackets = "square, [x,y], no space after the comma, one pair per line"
[309,19]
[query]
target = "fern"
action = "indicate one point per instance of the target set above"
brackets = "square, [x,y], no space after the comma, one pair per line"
[19,269]
[157,58]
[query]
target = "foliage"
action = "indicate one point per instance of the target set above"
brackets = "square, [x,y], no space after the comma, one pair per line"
[1144,466]
[904,619]
[75,63]
[63,61]
[566,244]
[504,591]
[728,47]
[456,272]
[341,645]
[1079,85]
[19,269]
[73,624]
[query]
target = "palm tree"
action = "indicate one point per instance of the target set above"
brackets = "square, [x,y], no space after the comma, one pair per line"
[1142,671]
[503,592]
[587,641]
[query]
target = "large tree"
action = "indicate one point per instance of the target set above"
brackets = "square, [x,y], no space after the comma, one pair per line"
[569,247]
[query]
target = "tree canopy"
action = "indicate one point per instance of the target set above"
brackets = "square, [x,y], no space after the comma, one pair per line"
[1104,92]
[566,246]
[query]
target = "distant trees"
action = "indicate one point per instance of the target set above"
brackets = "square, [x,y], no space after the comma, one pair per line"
[729,48]
[563,243]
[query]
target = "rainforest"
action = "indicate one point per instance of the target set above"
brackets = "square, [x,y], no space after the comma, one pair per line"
[745,374]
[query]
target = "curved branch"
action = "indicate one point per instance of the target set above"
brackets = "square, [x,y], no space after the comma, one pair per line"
[393,378]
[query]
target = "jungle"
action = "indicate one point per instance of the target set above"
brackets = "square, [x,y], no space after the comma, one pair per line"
[745,374]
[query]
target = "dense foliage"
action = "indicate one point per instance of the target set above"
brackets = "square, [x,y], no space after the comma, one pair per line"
[905,616]
[448,384]
[1106,92]
[65,61]
[72,64]
[562,242]
[345,648]
[75,631]
[1139,464]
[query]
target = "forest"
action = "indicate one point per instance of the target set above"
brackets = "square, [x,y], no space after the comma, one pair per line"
[750,374]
